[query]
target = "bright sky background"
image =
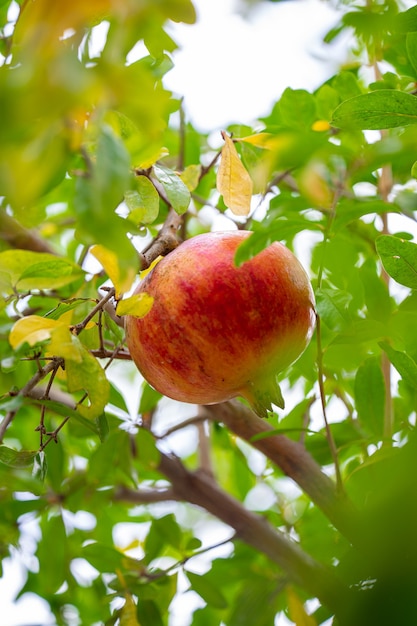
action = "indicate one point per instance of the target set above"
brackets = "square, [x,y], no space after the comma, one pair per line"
[230,68]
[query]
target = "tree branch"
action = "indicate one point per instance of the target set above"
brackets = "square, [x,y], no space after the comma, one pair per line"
[19,237]
[294,461]
[199,489]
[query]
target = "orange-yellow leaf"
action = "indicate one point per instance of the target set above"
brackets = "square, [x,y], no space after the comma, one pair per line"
[296,610]
[137,305]
[122,281]
[143,273]
[233,180]
[259,140]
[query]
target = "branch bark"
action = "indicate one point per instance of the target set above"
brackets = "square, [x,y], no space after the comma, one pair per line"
[294,461]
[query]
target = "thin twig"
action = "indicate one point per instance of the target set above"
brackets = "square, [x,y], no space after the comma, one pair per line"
[78,328]
[25,391]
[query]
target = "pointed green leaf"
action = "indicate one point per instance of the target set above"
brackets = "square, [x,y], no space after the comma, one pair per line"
[17,458]
[399,258]
[142,201]
[176,191]
[209,592]
[403,363]
[411,45]
[370,395]
[148,612]
[385,108]
[25,270]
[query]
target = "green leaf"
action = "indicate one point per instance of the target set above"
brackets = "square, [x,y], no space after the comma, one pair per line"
[399,258]
[149,399]
[17,458]
[370,395]
[107,559]
[147,452]
[280,229]
[298,108]
[176,191]
[25,270]
[332,306]
[142,201]
[411,45]
[164,532]
[148,613]
[403,363]
[52,554]
[209,592]
[385,108]
[88,376]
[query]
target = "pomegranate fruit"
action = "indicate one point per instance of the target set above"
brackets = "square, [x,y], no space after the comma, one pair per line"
[216,331]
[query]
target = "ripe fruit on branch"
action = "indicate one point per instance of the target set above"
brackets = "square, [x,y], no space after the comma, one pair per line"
[216,331]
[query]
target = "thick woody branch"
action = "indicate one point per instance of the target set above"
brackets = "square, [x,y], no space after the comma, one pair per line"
[199,489]
[166,240]
[294,461]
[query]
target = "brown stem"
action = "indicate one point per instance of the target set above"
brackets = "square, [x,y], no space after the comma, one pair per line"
[294,461]
[19,237]
[166,240]
[99,306]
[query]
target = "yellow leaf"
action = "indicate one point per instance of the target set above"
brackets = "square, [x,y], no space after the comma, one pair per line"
[143,273]
[32,330]
[137,305]
[233,181]
[320,126]
[110,262]
[259,140]
[153,158]
[297,611]
[191,176]
[128,615]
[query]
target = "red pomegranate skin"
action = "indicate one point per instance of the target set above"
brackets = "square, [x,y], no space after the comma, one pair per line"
[216,331]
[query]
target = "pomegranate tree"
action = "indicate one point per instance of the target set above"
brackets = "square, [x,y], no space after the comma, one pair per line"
[216,331]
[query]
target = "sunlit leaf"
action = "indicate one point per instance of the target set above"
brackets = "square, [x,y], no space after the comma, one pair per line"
[384,108]
[142,201]
[176,191]
[259,140]
[403,363]
[399,258]
[137,305]
[233,180]
[32,329]
[24,270]
[122,281]
[191,176]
